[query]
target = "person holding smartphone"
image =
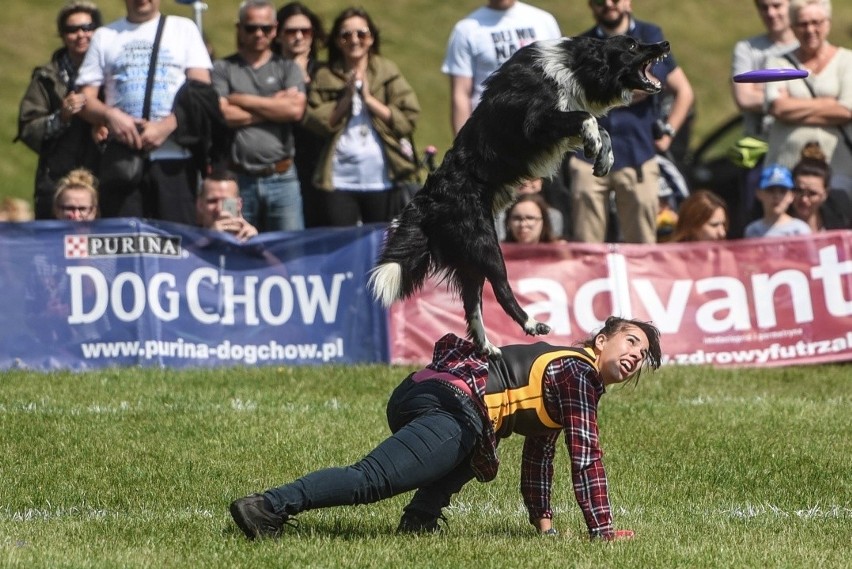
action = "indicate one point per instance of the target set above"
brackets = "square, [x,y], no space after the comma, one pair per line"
[219,206]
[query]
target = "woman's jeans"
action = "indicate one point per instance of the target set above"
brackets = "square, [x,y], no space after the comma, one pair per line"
[434,430]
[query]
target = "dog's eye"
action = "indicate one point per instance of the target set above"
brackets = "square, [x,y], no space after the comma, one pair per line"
[633,45]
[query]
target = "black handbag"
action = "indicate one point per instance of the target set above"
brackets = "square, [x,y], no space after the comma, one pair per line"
[120,164]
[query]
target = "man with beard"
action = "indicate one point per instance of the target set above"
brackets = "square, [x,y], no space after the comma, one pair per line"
[634,178]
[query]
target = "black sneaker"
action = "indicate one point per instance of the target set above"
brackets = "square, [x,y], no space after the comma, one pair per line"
[256,518]
[418,522]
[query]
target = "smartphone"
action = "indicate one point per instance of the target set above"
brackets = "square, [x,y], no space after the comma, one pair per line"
[232,206]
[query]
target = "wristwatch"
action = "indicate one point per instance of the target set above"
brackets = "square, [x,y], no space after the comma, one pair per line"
[669,129]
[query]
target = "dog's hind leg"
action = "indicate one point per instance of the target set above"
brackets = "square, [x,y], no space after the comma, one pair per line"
[471,293]
[506,298]
[494,269]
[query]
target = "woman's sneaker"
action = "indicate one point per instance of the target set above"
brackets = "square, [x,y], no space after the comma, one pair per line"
[256,518]
[418,522]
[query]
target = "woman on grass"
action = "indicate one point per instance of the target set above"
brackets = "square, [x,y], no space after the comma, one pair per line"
[446,420]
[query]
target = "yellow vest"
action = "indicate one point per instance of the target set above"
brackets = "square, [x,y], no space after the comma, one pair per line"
[514,394]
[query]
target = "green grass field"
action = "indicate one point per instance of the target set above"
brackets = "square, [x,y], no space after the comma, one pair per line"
[414,34]
[136,468]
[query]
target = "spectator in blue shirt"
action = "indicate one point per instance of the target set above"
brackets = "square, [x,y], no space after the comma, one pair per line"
[634,178]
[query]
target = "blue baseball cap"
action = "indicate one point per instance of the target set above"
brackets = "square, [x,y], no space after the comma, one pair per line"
[776,176]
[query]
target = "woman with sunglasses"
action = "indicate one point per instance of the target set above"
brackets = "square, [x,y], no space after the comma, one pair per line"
[300,37]
[366,111]
[819,107]
[48,121]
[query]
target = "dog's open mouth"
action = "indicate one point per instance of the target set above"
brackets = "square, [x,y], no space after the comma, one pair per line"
[651,84]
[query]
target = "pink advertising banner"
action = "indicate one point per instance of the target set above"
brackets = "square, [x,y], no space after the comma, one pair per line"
[759,302]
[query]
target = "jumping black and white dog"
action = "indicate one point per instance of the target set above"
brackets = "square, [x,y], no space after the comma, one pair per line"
[540,104]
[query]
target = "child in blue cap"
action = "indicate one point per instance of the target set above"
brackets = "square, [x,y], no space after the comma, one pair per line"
[775,195]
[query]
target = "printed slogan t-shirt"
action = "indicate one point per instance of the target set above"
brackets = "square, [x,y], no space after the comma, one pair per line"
[120,54]
[486,38]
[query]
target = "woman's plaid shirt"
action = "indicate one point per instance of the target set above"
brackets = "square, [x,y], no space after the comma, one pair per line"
[572,388]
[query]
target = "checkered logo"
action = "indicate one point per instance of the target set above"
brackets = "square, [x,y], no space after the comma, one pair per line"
[76,246]
[121,245]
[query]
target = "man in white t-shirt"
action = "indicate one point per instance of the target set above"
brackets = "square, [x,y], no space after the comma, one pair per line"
[482,41]
[118,60]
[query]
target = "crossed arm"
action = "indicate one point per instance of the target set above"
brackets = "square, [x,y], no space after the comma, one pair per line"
[819,111]
[243,109]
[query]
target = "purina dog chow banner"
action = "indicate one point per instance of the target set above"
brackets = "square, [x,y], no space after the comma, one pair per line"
[126,292]
[764,302]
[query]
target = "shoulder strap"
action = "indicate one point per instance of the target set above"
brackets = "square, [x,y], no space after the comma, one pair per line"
[152,69]
[795,64]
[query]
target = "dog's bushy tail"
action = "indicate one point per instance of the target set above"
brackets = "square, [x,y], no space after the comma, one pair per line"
[405,261]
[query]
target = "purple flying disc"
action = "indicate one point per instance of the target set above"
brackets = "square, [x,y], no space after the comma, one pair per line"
[769,75]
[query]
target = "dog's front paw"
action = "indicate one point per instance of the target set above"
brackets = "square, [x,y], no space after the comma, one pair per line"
[592,143]
[605,159]
[534,328]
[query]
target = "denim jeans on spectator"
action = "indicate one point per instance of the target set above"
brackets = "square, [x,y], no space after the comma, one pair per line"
[434,429]
[273,203]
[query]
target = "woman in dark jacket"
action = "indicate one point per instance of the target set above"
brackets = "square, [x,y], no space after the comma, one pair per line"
[48,121]
[301,36]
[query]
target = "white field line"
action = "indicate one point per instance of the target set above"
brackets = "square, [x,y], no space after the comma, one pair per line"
[90,513]
[459,509]
[822,512]
[49,408]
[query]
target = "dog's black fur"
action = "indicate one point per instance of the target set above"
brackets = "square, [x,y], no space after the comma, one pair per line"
[537,106]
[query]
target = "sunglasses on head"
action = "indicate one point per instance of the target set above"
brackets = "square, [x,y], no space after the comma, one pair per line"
[90,27]
[346,35]
[252,28]
[603,2]
[294,31]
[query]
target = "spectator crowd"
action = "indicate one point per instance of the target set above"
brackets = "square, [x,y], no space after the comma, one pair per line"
[302,127]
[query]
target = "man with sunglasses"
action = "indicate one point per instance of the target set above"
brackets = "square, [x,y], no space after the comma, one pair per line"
[262,96]
[118,63]
[482,41]
[638,133]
